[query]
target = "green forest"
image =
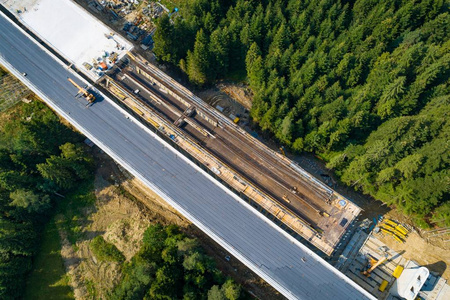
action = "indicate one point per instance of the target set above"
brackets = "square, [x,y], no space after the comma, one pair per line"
[171,265]
[41,159]
[364,84]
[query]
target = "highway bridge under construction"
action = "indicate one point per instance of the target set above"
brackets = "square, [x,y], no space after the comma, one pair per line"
[277,257]
[268,180]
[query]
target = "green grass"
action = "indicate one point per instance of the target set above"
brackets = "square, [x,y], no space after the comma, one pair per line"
[91,290]
[72,207]
[48,279]
[105,251]
[171,4]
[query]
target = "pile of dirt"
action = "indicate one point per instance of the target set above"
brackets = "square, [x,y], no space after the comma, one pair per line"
[238,92]
[121,222]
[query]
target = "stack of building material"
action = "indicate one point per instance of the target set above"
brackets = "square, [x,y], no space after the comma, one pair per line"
[395,229]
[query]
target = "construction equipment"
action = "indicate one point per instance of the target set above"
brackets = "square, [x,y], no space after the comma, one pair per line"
[398,271]
[138,20]
[82,91]
[114,56]
[285,198]
[398,239]
[386,231]
[395,229]
[383,285]
[388,227]
[372,265]
[87,66]
[401,229]
[390,222]
[324,214]
[111,37]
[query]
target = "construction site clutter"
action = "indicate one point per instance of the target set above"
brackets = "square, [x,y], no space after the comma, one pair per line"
[394,229]
[92,47]
[271,182]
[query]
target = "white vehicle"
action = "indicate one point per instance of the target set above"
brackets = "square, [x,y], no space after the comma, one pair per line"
[136,91]
[24,74]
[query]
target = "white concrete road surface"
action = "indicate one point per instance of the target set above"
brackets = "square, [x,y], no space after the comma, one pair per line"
[241,230]
[69,29]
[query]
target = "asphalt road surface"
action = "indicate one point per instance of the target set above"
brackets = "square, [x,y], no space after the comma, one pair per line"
[240,229]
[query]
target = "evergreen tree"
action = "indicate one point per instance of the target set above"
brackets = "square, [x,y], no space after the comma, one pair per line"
[198,60]
[329,77]
[165,48]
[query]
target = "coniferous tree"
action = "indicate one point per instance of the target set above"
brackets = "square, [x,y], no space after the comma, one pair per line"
[327,76]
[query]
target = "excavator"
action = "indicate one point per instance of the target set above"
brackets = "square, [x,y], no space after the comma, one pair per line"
[83,92]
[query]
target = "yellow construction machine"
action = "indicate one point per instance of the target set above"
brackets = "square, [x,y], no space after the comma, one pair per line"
[372,265]
[82,91]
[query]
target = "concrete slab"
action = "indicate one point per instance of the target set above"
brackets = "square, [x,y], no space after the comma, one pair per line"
[71,31]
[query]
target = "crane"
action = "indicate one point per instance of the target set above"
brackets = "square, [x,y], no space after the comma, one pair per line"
[373,264]
[82,91]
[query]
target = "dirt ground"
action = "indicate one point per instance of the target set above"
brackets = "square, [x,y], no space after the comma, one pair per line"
[232,98]
[121,222]
[416,248]
[433,254]
[229,105]
[120,219]
[123,210]
[238,92]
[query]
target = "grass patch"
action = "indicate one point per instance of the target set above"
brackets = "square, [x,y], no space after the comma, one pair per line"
[105,251]
[10,113]
[48,279]
[171,4]
[72,208]
[91,290]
